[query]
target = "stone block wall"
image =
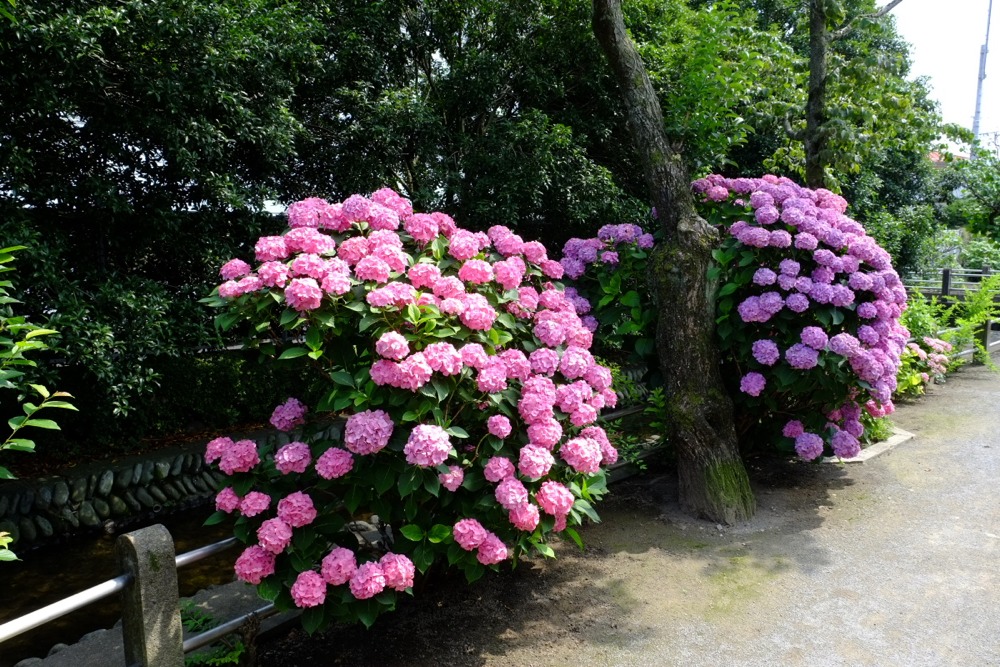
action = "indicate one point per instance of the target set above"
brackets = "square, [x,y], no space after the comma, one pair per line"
[104,496]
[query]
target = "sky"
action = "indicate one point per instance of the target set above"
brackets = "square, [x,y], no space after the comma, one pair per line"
[946,38]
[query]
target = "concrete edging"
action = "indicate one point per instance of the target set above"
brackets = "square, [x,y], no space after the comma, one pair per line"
[898,437]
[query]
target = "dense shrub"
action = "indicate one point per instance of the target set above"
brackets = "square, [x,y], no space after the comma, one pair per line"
[808,314]
[469,393]
[610,272]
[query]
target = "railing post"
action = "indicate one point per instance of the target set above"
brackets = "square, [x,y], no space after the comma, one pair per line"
[151,618]
[945,281]
[984,336]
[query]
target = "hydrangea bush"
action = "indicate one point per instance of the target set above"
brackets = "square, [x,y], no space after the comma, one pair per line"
[921,363]
[470,396]
[609,271]
[808,314]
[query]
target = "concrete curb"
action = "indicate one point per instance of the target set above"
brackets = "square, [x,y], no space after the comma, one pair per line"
[898,437]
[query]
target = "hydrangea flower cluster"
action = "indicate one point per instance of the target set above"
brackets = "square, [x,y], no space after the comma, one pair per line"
[923,362]
[609,271]
[469,395]
[808,312]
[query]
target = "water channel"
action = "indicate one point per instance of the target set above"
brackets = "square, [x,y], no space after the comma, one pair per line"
[45,575]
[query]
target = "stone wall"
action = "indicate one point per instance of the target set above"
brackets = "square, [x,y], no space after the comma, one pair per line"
[104,496]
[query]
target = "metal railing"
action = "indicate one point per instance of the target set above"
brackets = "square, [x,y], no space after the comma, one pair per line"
[948,282]
[151,624]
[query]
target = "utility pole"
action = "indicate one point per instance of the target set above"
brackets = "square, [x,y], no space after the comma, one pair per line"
[982,77]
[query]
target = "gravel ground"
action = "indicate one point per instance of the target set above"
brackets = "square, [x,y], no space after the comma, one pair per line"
[890,562]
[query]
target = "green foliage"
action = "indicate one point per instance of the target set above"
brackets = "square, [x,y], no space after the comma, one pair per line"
[909,236]
[19,341]
[226,651]
[6,555]
[877,429]
[981,252]
[978,182]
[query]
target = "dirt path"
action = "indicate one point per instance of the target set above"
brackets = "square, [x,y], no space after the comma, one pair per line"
[892,562]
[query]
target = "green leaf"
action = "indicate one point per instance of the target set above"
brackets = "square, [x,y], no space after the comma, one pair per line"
[293,353]
[575,536]
[39,332]
[42,391]
[409,482]
[269,588]
[6,555]
[19,445]
[343,378]
[42,423]
[438,533]
[544,549]
[384,479]
[631,299]
[457,431]
[312,619]
[314,338]
[59,404]
[412,532]
[216,517]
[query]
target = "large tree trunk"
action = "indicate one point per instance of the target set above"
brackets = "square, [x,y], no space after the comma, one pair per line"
[713,480]
[815,137]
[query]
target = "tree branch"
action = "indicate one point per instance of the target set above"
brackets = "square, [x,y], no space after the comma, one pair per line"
[845,29]
[794,135]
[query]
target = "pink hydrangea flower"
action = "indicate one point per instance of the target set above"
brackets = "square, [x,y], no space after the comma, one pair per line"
[216,448]
[367,581]
[254,564]
[242,456]
[288,415]
[544,361]
[474,356]
[309,589]
[422,227]
[535,461]
[463,245]
[492,378]
[423,275]
[554,498]
[443,358]
[234,268]
[309,240]
[499,425]
[491,551]
[392,345]
[255,503]
[583,454]
[338,566]
[271,248]
[498,468]
[226,500]
[334,463]
[297,509]
[476,271]
[468,534]
[273,274]
[427,446]
[545,433]
[452,479]
[293,457]
[413,372]
[303,294]
[524,517]
[367,432]
[398,571]
[274,535]
[372,268]
[510,493]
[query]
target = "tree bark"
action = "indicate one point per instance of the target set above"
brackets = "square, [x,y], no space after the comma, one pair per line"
[713,480]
